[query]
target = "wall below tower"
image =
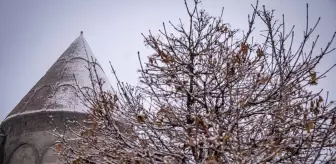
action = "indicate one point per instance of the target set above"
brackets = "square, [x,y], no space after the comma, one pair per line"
[28,140]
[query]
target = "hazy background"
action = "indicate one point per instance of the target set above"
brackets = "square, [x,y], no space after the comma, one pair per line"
[34,33]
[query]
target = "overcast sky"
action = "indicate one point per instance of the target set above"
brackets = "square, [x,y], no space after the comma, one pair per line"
[34,33]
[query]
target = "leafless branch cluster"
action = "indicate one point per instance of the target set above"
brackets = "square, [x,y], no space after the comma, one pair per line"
[210,97]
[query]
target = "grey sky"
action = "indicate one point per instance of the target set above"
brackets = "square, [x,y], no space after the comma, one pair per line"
[34,33]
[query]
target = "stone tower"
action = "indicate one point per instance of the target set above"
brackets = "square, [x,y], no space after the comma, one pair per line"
[25,137]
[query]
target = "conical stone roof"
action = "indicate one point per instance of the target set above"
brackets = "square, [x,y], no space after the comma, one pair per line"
[57,89]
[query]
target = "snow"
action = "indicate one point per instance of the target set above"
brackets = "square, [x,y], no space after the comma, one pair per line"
[41,111]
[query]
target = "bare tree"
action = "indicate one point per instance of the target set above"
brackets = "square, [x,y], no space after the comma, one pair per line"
[210,97]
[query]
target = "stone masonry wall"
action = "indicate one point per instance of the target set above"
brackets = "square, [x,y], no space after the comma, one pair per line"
[28,140]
